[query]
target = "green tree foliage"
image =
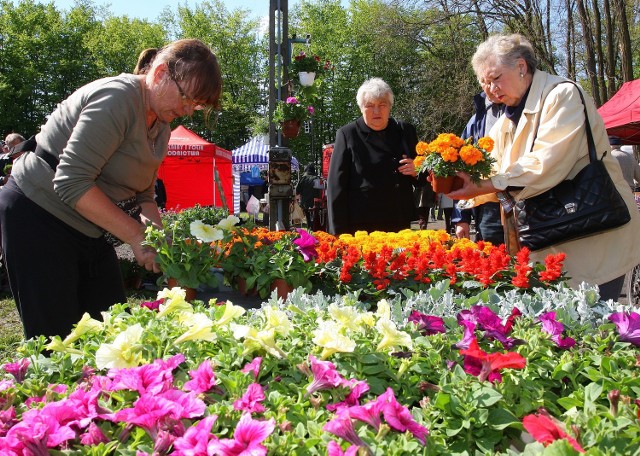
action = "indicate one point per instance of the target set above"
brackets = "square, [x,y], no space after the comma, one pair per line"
[117,42]
[42,60]
[234,39]
[422,48]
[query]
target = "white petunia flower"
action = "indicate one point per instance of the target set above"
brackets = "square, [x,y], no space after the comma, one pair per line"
[123,351]
[229,222]
[199,328]
[204,232]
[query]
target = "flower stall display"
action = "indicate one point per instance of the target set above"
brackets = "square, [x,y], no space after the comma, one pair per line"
[430,373]
[289,114]
[448,154]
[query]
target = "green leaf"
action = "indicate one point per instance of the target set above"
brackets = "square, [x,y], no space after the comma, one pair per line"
[502,418]
[486,397]
[591,394]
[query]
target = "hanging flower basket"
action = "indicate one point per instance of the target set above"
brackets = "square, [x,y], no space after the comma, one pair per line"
[307,78]
[290,128]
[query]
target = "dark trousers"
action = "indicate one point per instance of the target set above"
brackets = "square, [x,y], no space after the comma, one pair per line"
[56,273]
[611,289]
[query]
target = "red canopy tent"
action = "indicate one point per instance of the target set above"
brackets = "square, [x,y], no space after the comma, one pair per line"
[621,114]
[196,171]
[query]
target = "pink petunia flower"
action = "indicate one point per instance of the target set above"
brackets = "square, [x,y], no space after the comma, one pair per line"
[152,305]
[247,438]
[155,412]
[628,325]
[18,369]
[342,426]
[306,245]
[333,449]
[427,324]
[358,388]
[196,438]
[202,380]
[368,413]
[555,328]
[325,376]
[153,378]
[253,366]
[250,401]
[399,417]
[93,436]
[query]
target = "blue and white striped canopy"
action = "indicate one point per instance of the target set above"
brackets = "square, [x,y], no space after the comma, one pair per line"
[254,153]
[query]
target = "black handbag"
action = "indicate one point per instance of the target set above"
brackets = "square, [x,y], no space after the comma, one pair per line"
[587,204]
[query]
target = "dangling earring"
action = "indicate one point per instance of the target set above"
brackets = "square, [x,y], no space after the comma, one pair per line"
[521,75]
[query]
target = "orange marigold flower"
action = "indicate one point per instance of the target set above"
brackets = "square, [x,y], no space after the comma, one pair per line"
[418,161]
[486,143]
[422,148]
[450,154]
[470,155]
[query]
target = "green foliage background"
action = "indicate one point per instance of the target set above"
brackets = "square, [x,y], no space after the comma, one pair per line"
[422,48]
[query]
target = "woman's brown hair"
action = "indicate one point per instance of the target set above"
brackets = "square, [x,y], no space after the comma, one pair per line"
[192,63]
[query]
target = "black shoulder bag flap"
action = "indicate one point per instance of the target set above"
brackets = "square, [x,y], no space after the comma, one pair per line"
[585,205]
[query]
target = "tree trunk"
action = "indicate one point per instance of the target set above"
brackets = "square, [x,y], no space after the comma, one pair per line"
[590,61]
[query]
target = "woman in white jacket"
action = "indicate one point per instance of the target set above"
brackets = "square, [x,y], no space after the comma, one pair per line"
[536,162]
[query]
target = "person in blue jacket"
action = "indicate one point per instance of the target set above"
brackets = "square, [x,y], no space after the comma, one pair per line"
[486,215]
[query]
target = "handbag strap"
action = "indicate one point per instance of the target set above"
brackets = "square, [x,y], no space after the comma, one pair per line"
[590,142]
[506,199]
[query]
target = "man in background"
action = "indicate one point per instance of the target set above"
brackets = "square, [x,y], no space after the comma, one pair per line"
[307,191]
[628,163]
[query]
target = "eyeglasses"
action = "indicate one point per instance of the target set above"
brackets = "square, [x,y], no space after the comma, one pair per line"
[185,99]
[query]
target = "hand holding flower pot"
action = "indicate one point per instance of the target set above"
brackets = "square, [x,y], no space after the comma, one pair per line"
[448,154]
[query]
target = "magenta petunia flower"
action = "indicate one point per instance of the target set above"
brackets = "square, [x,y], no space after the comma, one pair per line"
[196,438]
[342,426]
[292,100]
[469,334]
[152,305]
[250,401]
[7,420]
[93,436]
[154,412]
[427,324]
[628,325]
[17,369]
[325,376]
[253,366]
[153,378]
[306,245]
[202,380]
[358,388]
[333,449]
[486,320]
[399,417]
[368,413]
[555,328]
[247,438]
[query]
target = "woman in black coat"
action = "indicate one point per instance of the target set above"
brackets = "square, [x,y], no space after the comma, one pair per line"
[371,173]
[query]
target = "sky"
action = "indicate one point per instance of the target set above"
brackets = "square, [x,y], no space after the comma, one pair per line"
[151,9]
